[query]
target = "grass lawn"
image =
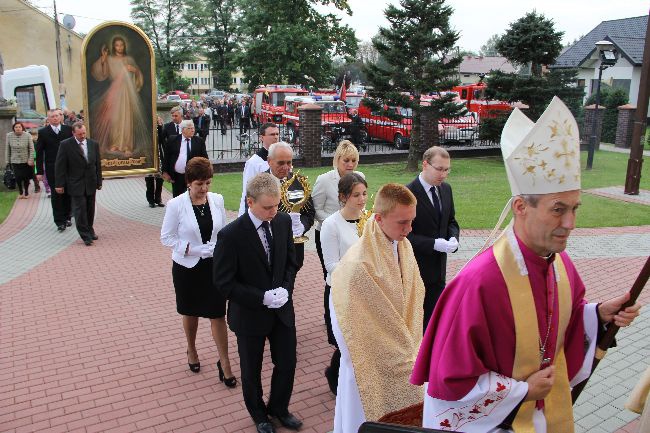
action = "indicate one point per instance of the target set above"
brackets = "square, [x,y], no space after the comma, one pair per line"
[480,190]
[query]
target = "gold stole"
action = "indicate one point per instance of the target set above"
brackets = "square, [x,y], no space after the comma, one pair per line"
[558,409]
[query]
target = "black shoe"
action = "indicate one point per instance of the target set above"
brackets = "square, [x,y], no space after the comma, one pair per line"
[265,427]
[68,223]
[88,242]
[152,205]
[332,379]
[194,368]
[61,227]
[160,204]
[230,382]
[94,237]
[289,421]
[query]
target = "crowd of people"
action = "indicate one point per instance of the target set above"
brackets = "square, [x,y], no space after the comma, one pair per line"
[393,321]
[497,349]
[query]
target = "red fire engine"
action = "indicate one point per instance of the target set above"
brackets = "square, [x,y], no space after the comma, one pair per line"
[334,116]
[474,96]
[269,101]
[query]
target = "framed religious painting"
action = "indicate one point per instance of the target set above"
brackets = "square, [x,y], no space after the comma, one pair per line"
[120,98]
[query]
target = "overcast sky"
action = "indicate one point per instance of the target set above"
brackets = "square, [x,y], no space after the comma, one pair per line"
[475,20]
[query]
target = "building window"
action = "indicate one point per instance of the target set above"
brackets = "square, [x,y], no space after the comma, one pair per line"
[194,81]
[582,83]
[234,80]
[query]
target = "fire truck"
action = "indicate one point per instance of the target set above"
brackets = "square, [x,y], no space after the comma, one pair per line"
[398,131]
[268,105]
[334,116]
[352,99]
[473,95]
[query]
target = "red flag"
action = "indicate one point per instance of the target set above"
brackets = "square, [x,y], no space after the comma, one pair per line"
[343,90]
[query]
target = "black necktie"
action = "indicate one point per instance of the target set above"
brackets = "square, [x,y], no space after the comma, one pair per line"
[189,148]
[436,200]
[269,240]
[177,130]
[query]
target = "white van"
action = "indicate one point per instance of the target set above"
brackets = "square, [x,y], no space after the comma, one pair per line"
[34,93]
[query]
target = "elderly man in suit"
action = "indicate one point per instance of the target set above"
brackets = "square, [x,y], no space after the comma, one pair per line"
[280,159]
[255,268]
[47,147]
[79,173]
[435,230]
[178,151]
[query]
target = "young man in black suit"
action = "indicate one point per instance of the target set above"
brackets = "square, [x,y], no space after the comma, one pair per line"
[244,116]
[166,132]
[255,269]
[435,229]
[47,147]
[177,152]
[79,174]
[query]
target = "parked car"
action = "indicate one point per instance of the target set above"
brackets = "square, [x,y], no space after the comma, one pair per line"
[173,97]
[217,94]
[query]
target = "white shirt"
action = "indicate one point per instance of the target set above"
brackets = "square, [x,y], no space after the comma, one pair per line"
[56,129]
[182,155]
[260,231]
[427,189]
[336,237]
[254,166]
[326,195]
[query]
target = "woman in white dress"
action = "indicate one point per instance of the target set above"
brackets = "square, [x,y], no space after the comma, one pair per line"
[325,194]
[338,232]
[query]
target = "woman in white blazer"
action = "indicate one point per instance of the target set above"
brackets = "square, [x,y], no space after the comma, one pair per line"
[338,233]
[326,195]
[192,221]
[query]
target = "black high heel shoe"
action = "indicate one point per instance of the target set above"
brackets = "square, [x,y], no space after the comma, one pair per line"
[194,368]
[230,382]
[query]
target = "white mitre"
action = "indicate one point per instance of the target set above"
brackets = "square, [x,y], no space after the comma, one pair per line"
[542,157]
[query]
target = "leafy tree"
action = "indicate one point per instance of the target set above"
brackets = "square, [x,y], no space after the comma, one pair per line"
[531,39]
[289,41]
[162,21]
[417,48]
[215,25]
[488,49]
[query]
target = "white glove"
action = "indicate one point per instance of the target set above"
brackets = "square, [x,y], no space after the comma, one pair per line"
[275,298]
[296,225]
[452,245]
[203,251]
[440,245]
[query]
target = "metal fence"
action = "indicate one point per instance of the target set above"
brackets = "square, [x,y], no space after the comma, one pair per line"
[230,143]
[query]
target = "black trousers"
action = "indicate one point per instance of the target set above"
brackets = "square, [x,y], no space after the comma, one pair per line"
[83,209]
[179,186]
[300,255]
[431,295]
[319,250]
[23,173]
[61,204]
[244,124]
[283,354]
[154,188]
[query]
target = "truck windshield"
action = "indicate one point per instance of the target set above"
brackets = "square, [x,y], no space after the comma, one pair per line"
[333,107]
[278,98]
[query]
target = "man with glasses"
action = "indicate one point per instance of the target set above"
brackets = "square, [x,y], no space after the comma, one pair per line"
[435,229]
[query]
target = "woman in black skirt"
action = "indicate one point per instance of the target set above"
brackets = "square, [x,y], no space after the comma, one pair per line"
[192,221]
[19,152]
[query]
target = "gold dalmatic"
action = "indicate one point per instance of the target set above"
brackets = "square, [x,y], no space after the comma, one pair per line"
[295,200]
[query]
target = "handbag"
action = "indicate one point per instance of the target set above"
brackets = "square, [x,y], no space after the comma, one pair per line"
[9,178]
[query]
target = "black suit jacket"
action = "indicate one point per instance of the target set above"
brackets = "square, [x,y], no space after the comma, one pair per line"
[242,274]
[47,146]
[76,174]
[205,125]
[427,227]
[173,148]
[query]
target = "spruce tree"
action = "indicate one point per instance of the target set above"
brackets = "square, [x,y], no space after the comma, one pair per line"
[416,49]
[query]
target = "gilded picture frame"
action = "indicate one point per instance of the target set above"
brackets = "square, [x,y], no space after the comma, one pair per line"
[119,97]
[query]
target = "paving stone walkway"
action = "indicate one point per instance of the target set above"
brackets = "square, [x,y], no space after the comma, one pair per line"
[90,340]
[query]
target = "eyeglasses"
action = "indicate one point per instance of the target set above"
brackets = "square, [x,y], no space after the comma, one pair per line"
[442,169]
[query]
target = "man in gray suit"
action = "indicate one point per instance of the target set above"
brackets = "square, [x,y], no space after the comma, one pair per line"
[79,174]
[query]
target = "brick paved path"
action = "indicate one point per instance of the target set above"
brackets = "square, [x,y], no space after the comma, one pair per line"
[90,339]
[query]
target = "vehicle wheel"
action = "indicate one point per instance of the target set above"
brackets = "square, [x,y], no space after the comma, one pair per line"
[400,142]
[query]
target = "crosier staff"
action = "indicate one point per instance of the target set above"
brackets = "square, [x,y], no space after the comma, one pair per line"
[607,339]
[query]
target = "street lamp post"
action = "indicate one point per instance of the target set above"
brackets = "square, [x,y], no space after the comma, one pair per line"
[608,57]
